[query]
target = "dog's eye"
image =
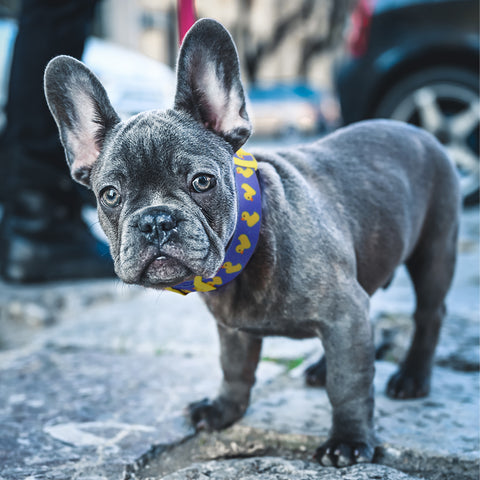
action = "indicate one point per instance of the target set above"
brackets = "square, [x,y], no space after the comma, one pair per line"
[110,197]
[203,182]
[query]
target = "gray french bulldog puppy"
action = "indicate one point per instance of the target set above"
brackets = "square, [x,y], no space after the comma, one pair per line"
[339,216]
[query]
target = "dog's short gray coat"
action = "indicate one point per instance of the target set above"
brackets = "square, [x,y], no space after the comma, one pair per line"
[339,216]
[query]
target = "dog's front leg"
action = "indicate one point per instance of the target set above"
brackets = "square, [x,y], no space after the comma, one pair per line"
[349,352]
[239,354]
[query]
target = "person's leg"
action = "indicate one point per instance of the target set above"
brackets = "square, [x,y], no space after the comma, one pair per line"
[43,236]
[46,28]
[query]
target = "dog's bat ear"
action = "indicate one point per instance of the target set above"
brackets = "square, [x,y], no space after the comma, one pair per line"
[208,82]
[82,111]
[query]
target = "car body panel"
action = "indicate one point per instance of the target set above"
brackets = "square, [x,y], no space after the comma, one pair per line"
[405,36]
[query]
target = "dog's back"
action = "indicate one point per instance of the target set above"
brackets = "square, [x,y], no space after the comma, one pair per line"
[385,185]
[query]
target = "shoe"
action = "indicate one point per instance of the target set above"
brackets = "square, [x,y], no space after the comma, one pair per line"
[42,241]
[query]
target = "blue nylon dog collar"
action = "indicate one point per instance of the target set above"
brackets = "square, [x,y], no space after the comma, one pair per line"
[245,238]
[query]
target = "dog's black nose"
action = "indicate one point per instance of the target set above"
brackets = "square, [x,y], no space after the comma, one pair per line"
[156,226]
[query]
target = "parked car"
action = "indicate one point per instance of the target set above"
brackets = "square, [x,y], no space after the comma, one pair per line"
[417,61]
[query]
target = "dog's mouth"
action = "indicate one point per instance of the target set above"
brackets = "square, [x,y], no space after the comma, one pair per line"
[184,256]
[164,271]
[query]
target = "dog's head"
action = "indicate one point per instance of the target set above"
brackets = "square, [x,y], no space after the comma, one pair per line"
[164,180]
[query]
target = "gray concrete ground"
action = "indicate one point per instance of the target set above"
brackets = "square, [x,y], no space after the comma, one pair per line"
[94,377]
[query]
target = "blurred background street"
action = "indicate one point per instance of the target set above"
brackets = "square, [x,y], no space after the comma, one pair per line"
[308,66]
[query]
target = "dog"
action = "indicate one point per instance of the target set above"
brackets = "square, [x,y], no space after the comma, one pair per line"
[334,219]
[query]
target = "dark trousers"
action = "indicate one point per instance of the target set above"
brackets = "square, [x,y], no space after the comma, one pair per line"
[31,152]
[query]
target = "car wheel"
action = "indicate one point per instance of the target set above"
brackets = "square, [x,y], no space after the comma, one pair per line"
[444,101]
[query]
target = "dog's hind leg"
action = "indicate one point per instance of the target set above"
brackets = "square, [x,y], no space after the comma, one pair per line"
[431,268]
[316,374]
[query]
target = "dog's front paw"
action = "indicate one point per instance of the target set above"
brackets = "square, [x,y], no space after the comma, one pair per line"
[214,414]
[338,453]
[403,385]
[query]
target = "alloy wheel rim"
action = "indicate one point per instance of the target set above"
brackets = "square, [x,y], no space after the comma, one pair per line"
[451,113]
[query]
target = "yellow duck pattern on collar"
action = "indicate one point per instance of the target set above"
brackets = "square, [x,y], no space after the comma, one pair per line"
[245,238]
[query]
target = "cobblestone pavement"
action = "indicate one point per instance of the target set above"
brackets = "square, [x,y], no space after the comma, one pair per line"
[94,377]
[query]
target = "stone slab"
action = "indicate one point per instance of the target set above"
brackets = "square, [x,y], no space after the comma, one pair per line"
[84,414]
[274,468]
[27,312]
[436,437]
[108,370]
[87,409]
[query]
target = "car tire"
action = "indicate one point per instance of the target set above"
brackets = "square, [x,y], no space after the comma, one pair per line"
[444,101]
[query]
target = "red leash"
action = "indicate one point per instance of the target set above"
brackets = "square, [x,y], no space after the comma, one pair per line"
[186,17]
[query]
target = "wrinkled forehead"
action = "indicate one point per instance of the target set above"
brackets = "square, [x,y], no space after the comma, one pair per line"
[152,137]
[159,142]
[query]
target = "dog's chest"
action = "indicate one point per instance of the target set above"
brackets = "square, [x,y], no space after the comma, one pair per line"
[295,317]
